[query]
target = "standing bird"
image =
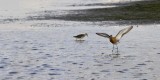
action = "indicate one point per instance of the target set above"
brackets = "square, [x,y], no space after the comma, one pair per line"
[115,40]
[80,36]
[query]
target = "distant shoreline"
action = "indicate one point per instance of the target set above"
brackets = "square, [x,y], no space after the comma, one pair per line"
[139,12]
[135,12]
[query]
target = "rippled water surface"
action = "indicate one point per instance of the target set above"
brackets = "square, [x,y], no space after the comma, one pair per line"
[46,49]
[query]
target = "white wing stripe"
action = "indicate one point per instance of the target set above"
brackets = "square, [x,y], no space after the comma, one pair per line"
[123,32]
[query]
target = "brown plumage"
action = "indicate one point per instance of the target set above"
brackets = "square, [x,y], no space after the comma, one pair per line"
[115,40]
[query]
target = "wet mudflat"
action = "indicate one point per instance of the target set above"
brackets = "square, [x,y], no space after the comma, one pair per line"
[33,52]
[32,48]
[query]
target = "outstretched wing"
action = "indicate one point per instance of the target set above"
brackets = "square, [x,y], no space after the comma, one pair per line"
[122,32]
[103,35]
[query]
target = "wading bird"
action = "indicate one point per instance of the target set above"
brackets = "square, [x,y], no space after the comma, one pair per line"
[115,40]
[80,36]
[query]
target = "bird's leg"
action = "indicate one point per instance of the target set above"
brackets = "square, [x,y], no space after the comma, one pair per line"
[117,49]
[113,48]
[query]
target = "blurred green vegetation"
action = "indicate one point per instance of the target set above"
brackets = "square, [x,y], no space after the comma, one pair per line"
[142,10]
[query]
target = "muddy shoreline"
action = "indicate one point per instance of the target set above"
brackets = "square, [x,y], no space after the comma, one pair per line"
[141,12]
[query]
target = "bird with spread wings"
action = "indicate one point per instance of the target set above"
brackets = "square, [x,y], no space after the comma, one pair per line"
[115,39]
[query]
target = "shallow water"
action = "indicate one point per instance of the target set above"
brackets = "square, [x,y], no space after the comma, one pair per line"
[37,50]
[46,49]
